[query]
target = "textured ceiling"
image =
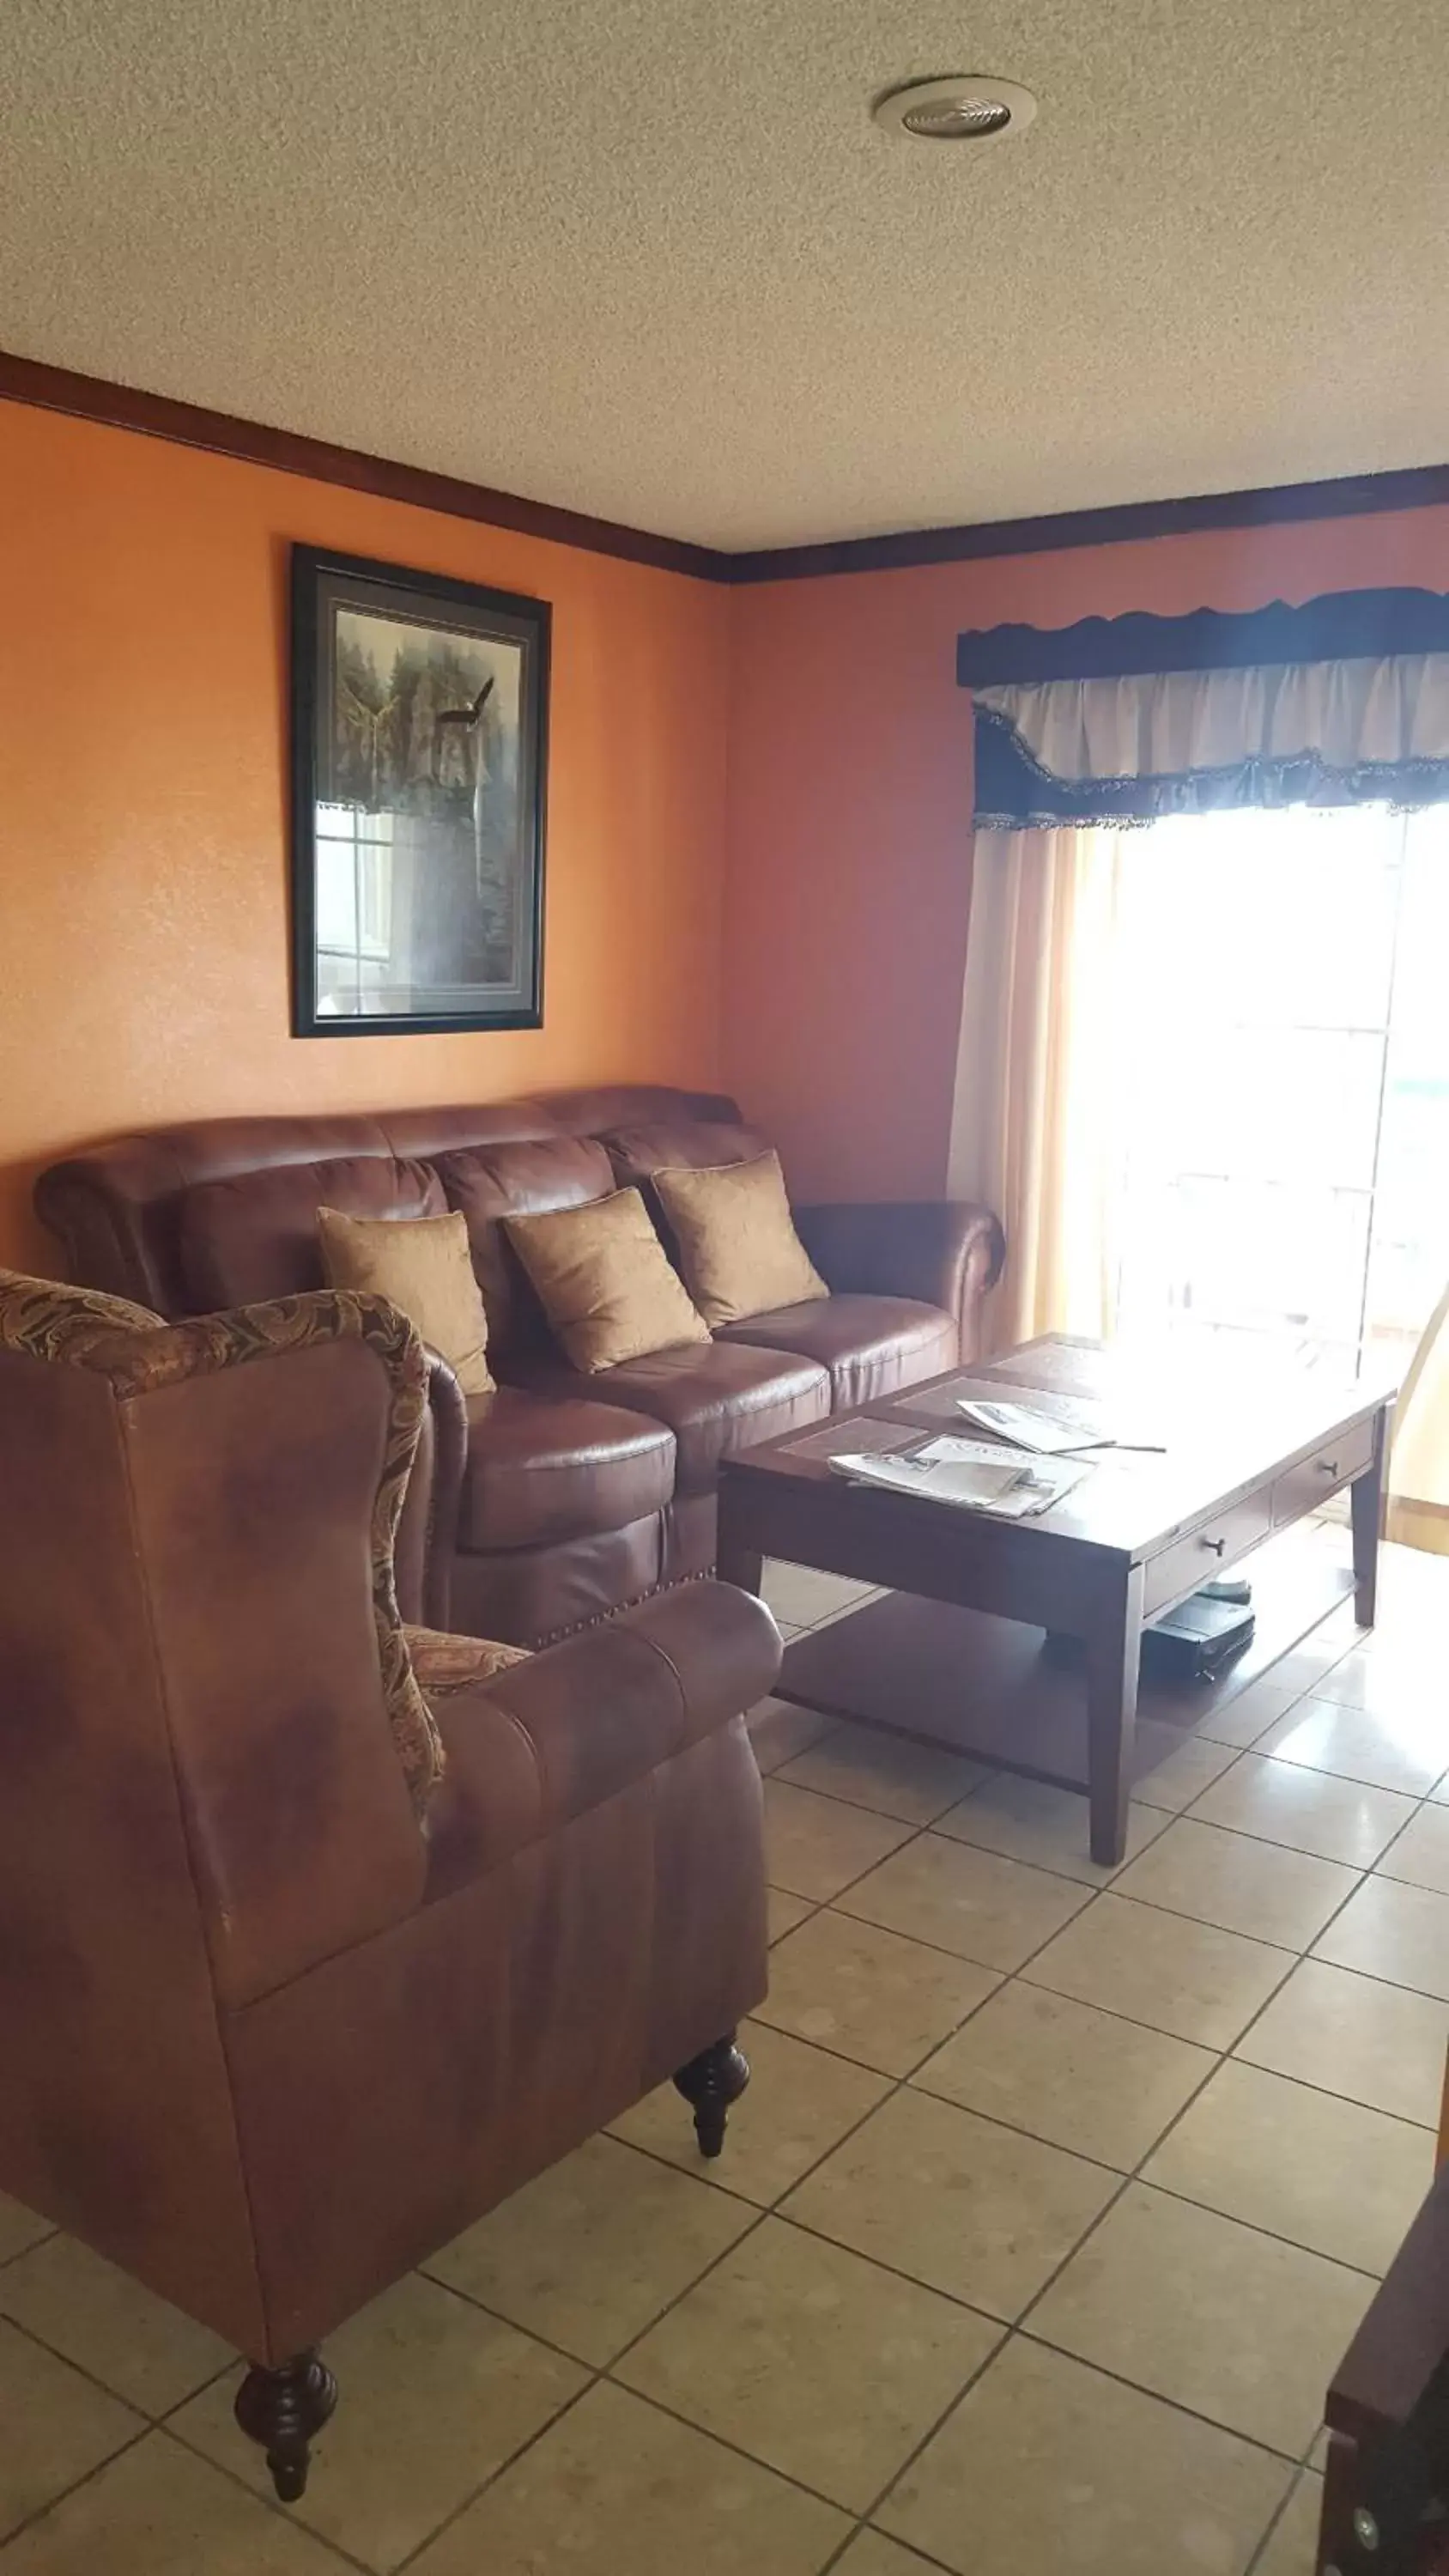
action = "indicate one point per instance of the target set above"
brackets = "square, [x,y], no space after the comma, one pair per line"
[650,259]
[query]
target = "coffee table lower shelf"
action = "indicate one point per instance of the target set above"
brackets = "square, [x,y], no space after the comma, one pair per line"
[983,1686]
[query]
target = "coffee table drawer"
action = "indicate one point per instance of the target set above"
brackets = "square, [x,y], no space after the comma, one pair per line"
[1206,1553]
[1310,1483]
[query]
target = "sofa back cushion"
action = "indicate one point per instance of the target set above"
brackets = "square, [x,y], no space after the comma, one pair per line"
[117,1209]
[255,1236]
[601,1108]
[487,1183]
[674,1144]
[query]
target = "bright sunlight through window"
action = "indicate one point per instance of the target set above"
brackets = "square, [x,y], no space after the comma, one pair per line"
[1284,1061]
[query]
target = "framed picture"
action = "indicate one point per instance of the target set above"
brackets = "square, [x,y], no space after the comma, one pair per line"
[419,722]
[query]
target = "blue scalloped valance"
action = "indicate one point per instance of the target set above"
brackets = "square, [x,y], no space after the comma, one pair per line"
[1344,700]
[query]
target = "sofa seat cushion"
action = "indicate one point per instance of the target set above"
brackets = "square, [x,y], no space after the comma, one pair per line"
[870,1345]
[717,1398]
[542,1469]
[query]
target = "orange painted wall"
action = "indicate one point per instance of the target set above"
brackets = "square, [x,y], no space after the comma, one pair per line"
[850,805]
[143,729]
[759,802]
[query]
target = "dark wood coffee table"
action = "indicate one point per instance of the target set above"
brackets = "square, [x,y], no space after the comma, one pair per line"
[1242,1462]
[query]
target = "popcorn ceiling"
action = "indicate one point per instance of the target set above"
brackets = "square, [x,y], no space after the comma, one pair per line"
[650,258]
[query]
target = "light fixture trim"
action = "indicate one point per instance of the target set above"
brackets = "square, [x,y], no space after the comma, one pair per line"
[965,107]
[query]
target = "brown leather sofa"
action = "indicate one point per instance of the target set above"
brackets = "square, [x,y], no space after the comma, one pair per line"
[318,1937]
[578,1493]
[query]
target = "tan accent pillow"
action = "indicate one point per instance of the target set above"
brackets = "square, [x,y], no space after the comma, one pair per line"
[422,1263]
[738,1248]
[604,1281]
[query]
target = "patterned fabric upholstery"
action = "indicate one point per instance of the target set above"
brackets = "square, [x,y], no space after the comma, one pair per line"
[137,1352]
[55,1322]
[446,1664]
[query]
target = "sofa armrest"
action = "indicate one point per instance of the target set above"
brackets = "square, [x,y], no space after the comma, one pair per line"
[946,1252]
[427,1530]
[563,1730]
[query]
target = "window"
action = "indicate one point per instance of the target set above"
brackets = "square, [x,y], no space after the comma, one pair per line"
[354,907]
[1283,1063]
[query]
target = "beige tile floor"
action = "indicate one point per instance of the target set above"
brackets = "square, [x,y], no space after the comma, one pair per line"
[1053,2203]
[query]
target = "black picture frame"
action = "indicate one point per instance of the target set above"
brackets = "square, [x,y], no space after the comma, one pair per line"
[419,769]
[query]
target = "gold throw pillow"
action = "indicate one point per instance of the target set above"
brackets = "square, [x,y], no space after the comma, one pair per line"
[604,1281]
[738,1248]
[424,1265]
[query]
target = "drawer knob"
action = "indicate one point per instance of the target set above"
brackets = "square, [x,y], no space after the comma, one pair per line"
[1328,1466]
[1216,1544]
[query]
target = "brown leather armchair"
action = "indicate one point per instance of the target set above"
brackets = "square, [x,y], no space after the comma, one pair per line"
[319,1936]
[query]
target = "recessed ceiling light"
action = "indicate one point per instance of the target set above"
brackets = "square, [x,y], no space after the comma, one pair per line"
[970,108]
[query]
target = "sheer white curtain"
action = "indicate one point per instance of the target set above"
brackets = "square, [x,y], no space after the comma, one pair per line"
[1038,1126]
[1044,1110]
[1042,1107]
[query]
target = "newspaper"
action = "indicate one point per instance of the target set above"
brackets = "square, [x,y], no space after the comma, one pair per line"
[1026,1426]
[971,1474]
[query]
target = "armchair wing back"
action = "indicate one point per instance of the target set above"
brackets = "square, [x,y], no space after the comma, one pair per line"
[319,1935]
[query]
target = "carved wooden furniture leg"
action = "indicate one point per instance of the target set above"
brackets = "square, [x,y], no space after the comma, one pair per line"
[710,2082]
[282,2409]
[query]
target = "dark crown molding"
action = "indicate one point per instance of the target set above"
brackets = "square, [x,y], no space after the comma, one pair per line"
[28,380]
[1352,496]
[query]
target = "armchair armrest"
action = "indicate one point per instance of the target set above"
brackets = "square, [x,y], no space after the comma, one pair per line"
[946,1252]
[563,1730]
[427,1530]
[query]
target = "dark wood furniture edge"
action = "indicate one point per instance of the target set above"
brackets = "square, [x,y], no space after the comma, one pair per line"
[767,1462]
[1101,1587]
[251,442]
[1387,2413]
[848,1712]
[82,397]
[1404,2336]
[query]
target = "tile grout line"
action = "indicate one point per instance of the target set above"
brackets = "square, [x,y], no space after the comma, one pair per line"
[1008,2326]
[1018,2327]
[861,2523]
[431,2538]
[31,2334]
[270,2503]
[87,2478]
[1221,2057]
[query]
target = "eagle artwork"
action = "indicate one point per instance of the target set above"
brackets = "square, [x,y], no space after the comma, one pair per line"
[469,716]
[419,704]
[423,738]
